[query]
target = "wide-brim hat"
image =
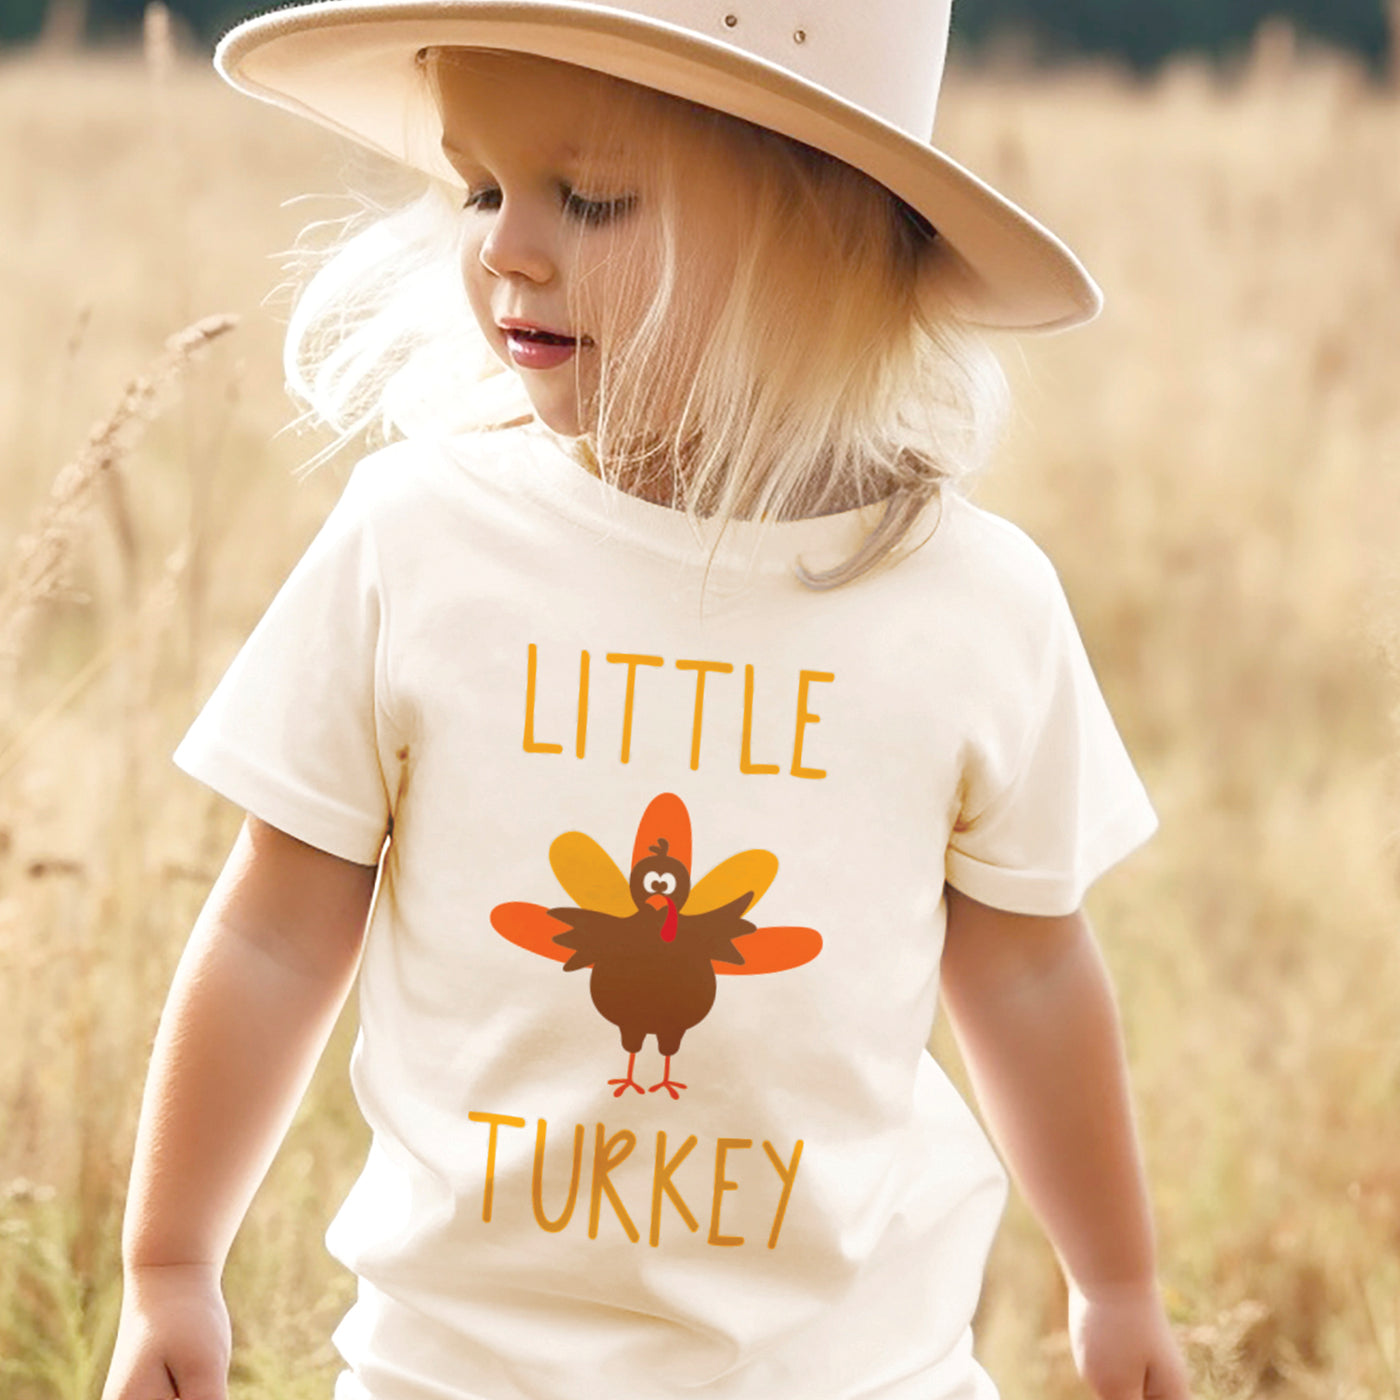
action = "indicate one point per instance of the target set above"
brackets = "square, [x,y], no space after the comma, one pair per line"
[858,79]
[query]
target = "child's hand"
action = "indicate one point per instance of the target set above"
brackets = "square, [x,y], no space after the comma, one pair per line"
[173,1339]
[1123,1347]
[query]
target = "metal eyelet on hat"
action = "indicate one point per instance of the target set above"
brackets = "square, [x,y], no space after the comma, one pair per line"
[730,21]
[800,37]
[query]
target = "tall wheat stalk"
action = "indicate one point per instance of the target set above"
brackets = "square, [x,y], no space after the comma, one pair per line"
[42,568]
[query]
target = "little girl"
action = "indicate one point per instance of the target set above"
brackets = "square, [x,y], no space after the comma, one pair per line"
[689,725]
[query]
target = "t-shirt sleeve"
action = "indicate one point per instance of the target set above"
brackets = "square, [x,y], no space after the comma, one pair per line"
[295,730]
[1051,801]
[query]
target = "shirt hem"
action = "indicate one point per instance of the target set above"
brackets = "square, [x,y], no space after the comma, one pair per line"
[1050,894]
[337,830]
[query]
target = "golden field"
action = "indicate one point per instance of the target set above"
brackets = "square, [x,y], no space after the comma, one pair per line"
[1215,466]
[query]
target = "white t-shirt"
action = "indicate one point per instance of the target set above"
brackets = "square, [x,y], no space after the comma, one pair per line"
[511,659]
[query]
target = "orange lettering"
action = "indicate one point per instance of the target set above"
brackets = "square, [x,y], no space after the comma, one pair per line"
[804,718]
[496,1120]
[722,1147]
[582,704]
[530,745]
[661,1181]
[787,1177]
[745,765]
[603,1163]
[631,661]
[537,1188]
[701,668]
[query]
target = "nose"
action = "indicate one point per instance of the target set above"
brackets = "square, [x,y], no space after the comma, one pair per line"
[518,244]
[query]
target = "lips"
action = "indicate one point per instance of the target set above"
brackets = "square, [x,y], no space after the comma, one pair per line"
[533,346]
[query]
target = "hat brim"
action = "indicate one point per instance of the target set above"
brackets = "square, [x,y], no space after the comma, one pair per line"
[353,67]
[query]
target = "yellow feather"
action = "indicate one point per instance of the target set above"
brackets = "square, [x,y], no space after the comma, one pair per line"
[748,871]
[589,875]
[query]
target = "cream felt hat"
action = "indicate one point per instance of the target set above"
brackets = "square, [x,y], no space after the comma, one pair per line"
[858,79]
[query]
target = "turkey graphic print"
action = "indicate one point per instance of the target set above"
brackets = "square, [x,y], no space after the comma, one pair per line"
[654,940]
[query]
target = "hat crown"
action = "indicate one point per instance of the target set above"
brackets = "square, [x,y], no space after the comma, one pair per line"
[857,79]
[886,56]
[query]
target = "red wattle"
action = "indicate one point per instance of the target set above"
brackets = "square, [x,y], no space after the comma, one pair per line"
[668,926]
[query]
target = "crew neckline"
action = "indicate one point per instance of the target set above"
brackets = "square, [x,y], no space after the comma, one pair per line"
[557,479]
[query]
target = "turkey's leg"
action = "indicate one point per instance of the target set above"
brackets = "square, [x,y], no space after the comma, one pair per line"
[671,1086]
[623,1083]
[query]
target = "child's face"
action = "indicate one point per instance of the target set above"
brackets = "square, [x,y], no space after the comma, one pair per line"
[563,235]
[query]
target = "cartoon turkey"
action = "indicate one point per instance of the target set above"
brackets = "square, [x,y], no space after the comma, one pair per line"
[654,940]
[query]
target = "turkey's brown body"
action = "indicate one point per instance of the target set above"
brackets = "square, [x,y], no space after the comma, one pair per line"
[644,984]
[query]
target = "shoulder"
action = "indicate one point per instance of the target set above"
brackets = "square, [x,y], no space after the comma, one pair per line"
[426,474]
[402,473]
[995,565]
[429,502]
[1001,550]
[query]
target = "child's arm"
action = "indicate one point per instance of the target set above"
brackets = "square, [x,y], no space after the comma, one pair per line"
[1033,1010]
[255,996]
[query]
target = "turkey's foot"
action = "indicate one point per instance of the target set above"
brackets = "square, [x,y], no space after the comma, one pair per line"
[671,1086]
[622,1084]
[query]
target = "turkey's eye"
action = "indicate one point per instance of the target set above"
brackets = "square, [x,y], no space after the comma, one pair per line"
[657,883]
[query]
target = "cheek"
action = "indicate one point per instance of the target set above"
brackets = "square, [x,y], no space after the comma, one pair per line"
[476,283]
[711,266]
[615,280]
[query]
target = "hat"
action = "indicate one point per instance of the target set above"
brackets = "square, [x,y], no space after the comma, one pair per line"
[857,79]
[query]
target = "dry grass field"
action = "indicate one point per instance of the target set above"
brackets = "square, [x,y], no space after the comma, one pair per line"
[1215,466]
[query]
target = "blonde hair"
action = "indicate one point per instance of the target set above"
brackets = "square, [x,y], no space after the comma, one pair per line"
[830,372]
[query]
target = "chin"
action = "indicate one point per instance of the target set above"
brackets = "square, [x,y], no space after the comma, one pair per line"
[558,412]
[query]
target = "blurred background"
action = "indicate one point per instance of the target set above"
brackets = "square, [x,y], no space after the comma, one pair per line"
[1214,466]
[1143,33]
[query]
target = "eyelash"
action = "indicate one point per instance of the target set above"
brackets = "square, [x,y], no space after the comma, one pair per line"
[593,212]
